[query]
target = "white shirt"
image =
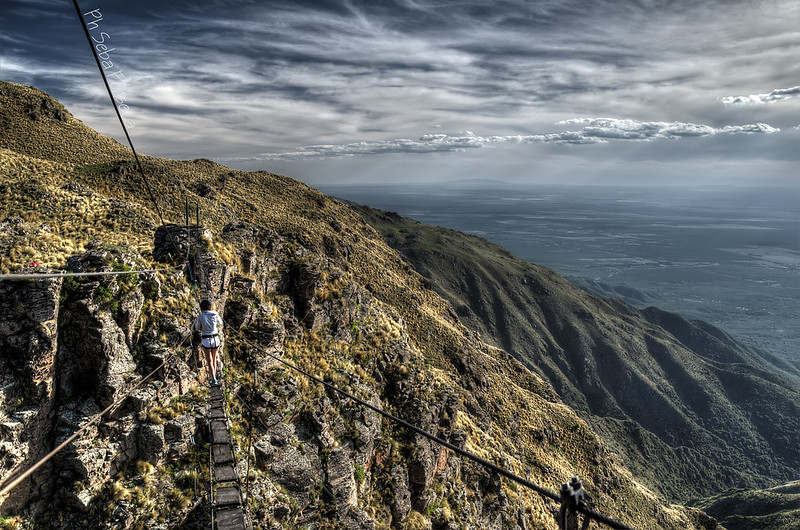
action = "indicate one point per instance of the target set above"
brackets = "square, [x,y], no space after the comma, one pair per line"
[208,322]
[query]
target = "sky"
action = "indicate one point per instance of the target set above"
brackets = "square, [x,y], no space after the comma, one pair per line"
[433,91]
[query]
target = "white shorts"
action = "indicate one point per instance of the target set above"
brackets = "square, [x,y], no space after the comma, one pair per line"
[210,342]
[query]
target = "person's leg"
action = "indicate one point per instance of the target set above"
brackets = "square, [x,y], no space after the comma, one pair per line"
[212,367]
[213,361]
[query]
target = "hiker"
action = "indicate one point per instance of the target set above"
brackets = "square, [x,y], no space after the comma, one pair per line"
[209,324]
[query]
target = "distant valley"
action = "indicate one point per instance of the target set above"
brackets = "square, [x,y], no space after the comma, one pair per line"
[728,256]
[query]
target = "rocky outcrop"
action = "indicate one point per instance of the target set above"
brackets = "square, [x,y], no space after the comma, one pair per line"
[29,312]
[68,352]
[173,242]
[95,357]
[260,252]
[303,280]
[401,500]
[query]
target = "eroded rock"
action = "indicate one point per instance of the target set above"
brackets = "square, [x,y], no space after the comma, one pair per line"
[29,313]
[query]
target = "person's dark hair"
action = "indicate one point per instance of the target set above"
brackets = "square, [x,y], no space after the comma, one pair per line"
[205,305]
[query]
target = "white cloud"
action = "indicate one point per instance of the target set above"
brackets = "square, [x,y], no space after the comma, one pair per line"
[594,131]
[779,94]
[624,129]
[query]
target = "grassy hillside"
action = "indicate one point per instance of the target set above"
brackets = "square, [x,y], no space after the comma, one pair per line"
[37,125]
[64,186]
[688,408]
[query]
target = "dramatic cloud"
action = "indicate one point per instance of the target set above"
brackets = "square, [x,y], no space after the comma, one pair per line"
[228,79]
[596,130]
[779,94]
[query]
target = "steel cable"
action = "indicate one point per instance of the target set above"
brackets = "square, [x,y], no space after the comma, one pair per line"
[48,275]
[471,456]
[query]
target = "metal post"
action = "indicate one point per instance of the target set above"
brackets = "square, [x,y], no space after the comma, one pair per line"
[567,515]
[579,499]
[572,496]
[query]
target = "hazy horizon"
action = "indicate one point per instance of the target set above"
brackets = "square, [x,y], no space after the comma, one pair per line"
[727,255]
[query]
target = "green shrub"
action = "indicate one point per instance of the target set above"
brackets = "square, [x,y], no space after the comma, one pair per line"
[359,474]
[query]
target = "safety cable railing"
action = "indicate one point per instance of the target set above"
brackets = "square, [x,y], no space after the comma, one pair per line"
[50,275]
[18,479]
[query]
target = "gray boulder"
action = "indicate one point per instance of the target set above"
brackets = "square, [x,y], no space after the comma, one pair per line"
[151,442]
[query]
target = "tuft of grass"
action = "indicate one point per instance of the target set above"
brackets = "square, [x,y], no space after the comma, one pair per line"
[145,469]
[189,479]
[414,521]
[119,492]
[178,499]
[11,522]
[359,475]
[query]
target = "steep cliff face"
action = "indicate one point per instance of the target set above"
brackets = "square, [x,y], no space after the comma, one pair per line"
[69,348]
[297,276]
[688,408]
[28,342]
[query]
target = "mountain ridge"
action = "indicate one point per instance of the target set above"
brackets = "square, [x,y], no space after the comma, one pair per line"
[681,393]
